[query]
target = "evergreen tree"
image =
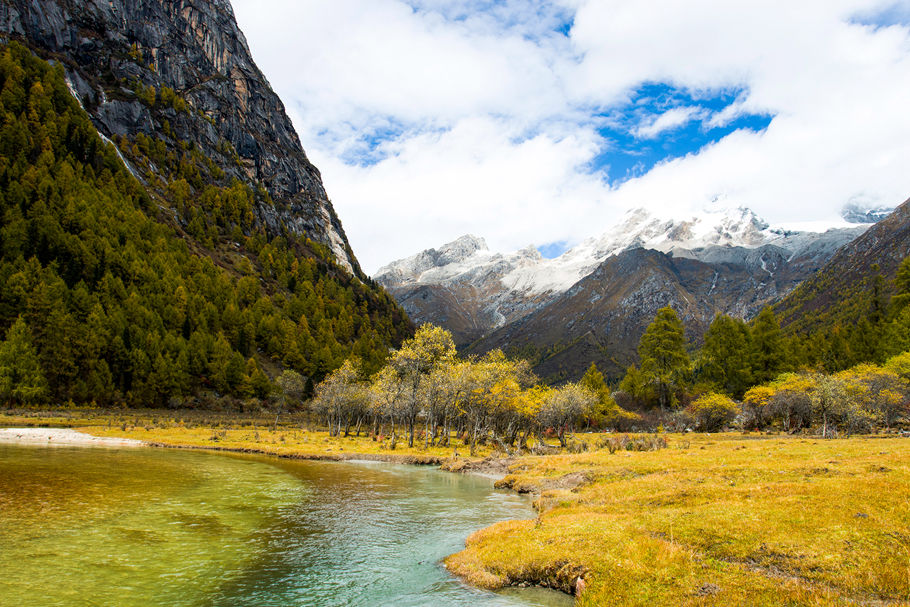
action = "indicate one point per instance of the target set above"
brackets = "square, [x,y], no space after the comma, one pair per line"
[635,385]
[605,409]
[837,353]
[901,298]
[864,339]
[726,359]
[664,361]
[896,334]
[593,380]
[21,378]
[768,349]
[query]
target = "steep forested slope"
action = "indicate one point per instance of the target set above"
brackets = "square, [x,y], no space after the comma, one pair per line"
[148,294]
[843,291]
[161,75]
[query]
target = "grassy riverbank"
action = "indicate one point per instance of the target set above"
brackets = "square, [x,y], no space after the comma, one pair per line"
[723,519]
[290,437]
[711,520]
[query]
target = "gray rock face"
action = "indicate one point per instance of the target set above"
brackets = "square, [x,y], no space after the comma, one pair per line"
[459,286]
[195,48]
[857,213]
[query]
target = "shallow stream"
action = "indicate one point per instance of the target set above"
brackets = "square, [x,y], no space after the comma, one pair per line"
[139,527]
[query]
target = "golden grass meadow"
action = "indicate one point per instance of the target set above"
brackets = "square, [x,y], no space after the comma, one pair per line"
[712,519]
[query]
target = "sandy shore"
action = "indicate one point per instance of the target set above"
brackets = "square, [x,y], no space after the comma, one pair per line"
[62,436]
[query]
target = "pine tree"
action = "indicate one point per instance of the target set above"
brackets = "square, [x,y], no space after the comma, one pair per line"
[593,380]
[726,358]
[120,305]
[606,409]
[896,334]
[664,361]
[901,297]
[635,385]
[768,351]
[21,378]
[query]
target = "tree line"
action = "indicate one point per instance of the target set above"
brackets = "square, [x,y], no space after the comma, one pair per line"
[755,375]
[428,393]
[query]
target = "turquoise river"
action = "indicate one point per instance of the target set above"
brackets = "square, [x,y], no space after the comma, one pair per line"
[144,527]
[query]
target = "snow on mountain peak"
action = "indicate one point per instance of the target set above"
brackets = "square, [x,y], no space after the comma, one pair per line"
[455,256]
[712,226]
[859,212]
[526,271]
[460,249]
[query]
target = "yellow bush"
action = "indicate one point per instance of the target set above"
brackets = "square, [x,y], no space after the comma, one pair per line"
[713,411]
[900,365]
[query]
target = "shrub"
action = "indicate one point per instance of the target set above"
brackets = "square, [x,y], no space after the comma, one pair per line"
[899,365]
[757,410]
[879,393]
[627,443]
[712,411]
[792,401]
[577,446]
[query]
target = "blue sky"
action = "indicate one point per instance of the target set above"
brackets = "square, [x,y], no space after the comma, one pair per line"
[629,152]
[543,121]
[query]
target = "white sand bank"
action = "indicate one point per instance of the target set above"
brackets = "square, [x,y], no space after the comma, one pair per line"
[62,436]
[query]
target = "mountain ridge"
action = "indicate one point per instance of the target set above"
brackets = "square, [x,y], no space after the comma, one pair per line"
[833,295]
[479,292]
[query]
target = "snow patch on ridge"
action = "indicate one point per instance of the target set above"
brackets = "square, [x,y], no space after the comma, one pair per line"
[527,272]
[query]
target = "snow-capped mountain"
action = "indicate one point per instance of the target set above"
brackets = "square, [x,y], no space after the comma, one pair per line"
[863,213]
[461,286]
[467,288]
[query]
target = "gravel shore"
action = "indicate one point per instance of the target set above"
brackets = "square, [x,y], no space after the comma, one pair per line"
[62,436]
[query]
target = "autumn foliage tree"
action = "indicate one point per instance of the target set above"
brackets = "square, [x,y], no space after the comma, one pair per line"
[487,400]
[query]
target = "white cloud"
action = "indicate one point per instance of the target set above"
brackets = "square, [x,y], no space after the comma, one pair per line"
[673,118]
[484,119]
[473,178]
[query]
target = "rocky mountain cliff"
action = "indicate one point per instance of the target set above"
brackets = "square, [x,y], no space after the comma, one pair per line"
[462,286]
[116,51]
[165,239]
[478,294]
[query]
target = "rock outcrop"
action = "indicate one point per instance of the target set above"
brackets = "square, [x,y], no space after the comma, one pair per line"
[112,48]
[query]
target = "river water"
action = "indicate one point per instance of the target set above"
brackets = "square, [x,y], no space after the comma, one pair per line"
[140,527]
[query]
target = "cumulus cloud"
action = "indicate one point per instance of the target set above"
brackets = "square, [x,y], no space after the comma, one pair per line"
[430,119]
